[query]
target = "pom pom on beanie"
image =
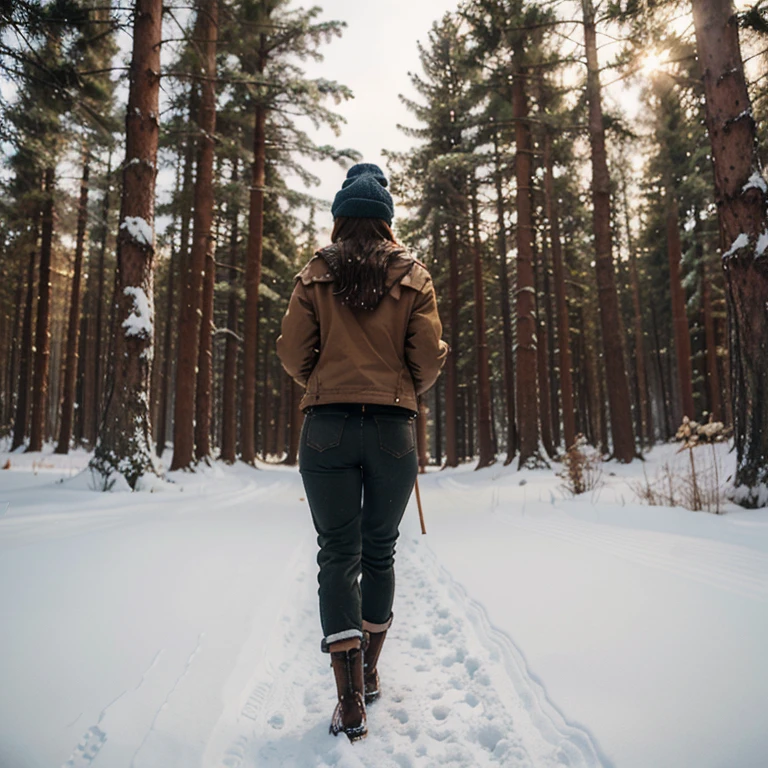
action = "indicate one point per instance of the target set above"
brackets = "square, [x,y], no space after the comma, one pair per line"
[364,195]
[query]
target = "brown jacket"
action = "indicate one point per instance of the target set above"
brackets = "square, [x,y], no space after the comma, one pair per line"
[386,356]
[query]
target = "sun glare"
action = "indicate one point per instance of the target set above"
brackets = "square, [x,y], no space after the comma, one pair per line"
[652,61]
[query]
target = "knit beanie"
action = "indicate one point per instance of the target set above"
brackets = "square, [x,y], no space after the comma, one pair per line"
[363,195]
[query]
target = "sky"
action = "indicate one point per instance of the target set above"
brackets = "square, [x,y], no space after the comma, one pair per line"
[373,57]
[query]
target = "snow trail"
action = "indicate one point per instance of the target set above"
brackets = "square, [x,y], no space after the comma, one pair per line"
[455,691]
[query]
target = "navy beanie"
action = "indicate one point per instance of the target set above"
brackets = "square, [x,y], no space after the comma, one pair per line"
[363,195]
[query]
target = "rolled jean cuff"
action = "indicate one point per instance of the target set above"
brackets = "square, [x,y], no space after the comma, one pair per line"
[376,628]
[347,634]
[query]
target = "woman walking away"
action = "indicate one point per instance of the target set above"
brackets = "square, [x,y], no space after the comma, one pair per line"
[362,335]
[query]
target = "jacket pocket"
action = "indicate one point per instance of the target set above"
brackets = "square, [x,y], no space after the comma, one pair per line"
[396,435]
[324,430]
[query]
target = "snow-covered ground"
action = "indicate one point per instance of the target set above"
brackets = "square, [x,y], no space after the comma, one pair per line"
[180,628]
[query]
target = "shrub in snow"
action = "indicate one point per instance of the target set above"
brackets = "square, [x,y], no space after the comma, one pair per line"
[582,468]
[692,481]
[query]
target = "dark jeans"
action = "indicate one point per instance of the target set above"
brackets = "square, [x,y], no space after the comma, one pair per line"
[359,465]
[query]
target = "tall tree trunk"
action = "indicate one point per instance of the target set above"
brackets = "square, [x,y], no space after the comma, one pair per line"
[253,272]
[542,355]
[162,421]
[25,361]
[525,359]
[203,395]
[741,195]
[679,312]
[421,436]
[668,429]
[558,277]
[13,361]
[43,327]
[98,353]
[712,373]
[297,419]
[485,448]
[613,348]
[645,430]
[506,311]
[452,379]
[73,333]
[229,395]
[190,321]
[124,445]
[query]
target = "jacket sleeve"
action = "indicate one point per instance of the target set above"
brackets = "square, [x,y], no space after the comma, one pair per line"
[425,352]
[298,345]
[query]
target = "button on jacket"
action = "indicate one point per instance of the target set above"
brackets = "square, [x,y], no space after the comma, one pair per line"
[385,356]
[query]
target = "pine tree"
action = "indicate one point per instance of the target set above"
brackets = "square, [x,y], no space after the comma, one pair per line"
[742,197]
[124,445]
[190,314]
[618,388]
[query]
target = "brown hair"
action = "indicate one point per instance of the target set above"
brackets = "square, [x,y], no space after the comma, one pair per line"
[365,250]
[363,230]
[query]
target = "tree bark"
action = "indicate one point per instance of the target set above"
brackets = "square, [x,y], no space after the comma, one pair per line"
[13,360]
[712,373]
[91,433]
[43,327]
[124,445]
[253,271]
[679,312]
[485,447]
[162,420]
[190,313]
[542,355]
[73,333]
[525,359]
[558,277]
[229,395]
[613,348]
[740,194]
[506,312]
[451,378]
[25,357]
[297,419]
[203,394]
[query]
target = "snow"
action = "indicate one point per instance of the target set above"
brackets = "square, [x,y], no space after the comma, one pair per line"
[756,181]
[742,241]
[762,244]
[181,628]
[139,322]
[139,230]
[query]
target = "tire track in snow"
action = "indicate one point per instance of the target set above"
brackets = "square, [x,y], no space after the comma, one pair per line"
[21,531]
[740,570]
[455,690]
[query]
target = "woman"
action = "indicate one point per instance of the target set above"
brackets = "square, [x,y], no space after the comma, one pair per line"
[362,335]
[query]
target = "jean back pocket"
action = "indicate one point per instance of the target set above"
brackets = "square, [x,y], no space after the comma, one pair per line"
[395,435]
[324,430]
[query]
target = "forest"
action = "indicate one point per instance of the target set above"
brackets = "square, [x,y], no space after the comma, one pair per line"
[585,185]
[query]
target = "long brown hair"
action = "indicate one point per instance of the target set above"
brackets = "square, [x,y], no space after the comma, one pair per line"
[360,262]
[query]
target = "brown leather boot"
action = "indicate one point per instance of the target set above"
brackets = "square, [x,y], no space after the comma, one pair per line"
[373,635]
[349,715]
